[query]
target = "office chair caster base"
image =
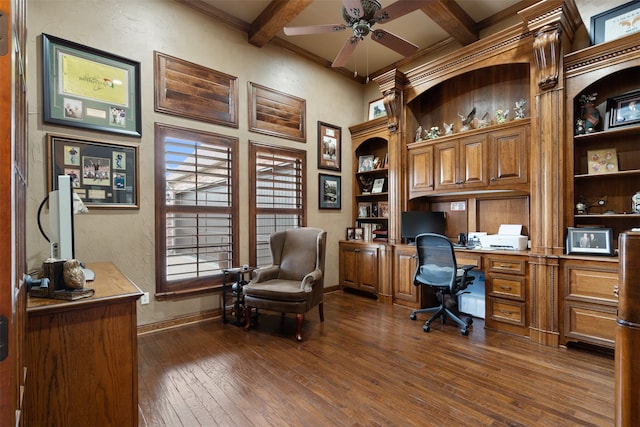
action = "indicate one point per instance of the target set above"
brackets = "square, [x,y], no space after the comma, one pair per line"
[412,316]
[426,328]
[464,331]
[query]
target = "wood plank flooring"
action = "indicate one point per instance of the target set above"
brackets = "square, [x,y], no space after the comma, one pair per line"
[368,364]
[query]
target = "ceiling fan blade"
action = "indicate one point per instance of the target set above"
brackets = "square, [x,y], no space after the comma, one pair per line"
[398,9]
[394,42]
[353,7]
[345,53]
[313,29]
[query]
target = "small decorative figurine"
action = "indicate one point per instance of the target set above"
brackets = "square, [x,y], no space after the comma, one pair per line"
[73,274]
[589,113]
[419,134]
[433,133]
[579,127]
[477,123]
[466,121]
[448,128]
[635,203]
[519,110]
[501,116]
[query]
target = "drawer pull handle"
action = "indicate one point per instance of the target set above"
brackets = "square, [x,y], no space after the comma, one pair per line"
[506,312]
[506,266]
[505,288]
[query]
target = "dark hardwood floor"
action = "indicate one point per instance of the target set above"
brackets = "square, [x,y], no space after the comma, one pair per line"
[368,364]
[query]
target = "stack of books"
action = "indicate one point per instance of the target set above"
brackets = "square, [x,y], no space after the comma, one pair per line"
[380,235]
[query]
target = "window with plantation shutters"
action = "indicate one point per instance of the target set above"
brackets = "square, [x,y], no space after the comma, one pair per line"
[196,200]
[277,196]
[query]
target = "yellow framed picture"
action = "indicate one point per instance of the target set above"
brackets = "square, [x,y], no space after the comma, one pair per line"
[602,161]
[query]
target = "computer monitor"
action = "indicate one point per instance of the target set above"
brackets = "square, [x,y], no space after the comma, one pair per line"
[61,236]
[417,222]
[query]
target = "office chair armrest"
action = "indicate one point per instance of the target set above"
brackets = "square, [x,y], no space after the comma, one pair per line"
[468,267]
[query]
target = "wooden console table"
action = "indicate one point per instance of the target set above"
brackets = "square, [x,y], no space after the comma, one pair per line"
[82,356]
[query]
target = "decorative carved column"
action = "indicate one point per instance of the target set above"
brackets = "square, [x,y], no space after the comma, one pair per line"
[553,24]
[390,84]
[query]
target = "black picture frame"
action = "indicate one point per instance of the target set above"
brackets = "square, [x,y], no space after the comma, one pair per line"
[88,88]
[104,174]
[329,191]
[610,25]
[624,110]
[329,146]
[589,241]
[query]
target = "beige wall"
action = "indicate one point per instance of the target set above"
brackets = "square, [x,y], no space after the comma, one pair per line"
[134,29]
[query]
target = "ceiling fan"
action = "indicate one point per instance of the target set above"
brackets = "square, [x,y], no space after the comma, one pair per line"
[361,16]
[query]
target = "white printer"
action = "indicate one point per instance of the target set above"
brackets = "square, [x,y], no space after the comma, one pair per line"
[509,237]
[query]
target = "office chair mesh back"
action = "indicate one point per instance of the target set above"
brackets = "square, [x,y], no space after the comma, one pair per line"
[436,261]
[437,268]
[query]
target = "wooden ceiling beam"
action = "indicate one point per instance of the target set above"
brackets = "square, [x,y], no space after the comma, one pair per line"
[453,19]
[273,18]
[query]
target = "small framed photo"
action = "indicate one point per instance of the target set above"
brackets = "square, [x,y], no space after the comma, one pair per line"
[376,109]
[351,233]
[358,233]
[624,109]
[329,191]
[329,146]
[615,23]
[602,161]
[378,185]
[590,241]
[365,163]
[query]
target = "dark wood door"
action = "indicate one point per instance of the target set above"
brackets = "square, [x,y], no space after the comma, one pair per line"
[13,173]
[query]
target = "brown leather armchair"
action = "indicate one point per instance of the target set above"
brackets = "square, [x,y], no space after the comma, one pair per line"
[294,282]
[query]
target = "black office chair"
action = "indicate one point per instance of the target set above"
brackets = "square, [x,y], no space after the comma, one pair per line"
[438,269]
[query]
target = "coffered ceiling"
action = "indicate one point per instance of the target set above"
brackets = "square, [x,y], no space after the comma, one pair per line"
[433,25]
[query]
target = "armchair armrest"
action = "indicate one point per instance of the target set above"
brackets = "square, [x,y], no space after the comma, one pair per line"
[310,280]
[266,273]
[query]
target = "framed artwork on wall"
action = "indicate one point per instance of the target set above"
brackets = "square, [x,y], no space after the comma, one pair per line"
[329,146]
[329,191]
[88,88]
[590,240]
[103,174]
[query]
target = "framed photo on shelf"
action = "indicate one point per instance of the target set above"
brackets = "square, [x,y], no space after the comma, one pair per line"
[358,233]
[103,174]
[365,163]
[351,233]
[602,161]
[89,88]
[624,110]
[589,241]
[378,186]
[376,109]
[364,209]
[329,191]
[615,23]
[329,146]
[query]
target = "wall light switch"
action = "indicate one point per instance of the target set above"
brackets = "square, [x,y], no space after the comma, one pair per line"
[144,299]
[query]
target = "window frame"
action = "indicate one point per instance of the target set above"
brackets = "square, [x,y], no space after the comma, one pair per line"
[166,289]
[256,148]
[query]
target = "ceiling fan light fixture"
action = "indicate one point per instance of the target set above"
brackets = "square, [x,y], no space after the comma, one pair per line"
[369,8]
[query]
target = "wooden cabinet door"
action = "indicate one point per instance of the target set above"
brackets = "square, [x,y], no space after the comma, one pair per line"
[446,165]
[404,291]
[509,153]
[367,264]
[473,161]
[420,171]
[348,266]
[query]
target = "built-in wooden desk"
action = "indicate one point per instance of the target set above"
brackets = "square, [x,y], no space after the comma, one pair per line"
[82,356]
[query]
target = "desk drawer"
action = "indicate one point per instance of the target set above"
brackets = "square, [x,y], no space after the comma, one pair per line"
[466,258]
[507,286]
[592,284]
[507,265]
[506,311]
